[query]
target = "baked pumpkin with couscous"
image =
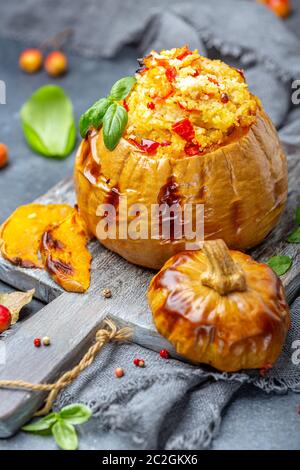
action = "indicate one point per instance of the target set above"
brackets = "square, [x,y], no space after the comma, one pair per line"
[195,135]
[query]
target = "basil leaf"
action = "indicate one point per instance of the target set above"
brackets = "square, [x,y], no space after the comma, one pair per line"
[298,215]
[48,123]
[65,435]
[76,413]
[280,264]
[114,123]
[43,424]
[93,117]
[294,237]
[122,88]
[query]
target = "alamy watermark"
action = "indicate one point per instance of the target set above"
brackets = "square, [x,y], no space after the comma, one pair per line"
[157,222]
[296,353]
[2,353]
[296,93]
[2,92]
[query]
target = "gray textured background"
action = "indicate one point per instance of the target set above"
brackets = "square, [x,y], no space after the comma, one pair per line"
[253,420]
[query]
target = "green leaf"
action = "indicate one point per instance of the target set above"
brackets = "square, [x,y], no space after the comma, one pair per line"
[280,264]
[75,414]
[114,123]
[48,123]
[122,88]
[93,117]
[43,424]
[298,215]
[294,237]
[65,435]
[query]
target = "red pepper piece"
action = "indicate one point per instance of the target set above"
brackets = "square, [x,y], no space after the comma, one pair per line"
[162,62]
[196,73]
[191,149]
[142,70]
[213,80]
[125,105]
[165,143]
[183,54]
[263,371]
[185,129]
[171,73]
[241,72]
[151,105]
[146,145]
[149,146]
[135,143]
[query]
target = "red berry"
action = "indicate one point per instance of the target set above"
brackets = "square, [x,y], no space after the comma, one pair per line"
[37,342]
[279,7]
[139,362]
[224,98]
[56,63]
[5,318]
[3,155]
[31,60]
[263,371]
[164,353]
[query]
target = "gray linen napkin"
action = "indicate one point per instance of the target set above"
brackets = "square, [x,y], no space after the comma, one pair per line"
[169,404]
[166,405]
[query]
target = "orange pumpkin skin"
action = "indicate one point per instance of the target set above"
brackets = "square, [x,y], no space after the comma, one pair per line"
[242,184]
[230,332]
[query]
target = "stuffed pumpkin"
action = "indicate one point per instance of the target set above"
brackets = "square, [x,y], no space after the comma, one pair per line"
[195,135]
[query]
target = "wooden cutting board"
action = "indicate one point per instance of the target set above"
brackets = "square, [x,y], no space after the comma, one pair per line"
[72,319]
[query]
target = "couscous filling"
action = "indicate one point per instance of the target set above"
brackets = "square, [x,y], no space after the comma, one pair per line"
[185,104]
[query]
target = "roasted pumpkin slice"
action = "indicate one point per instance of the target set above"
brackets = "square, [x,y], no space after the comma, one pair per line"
[65,254]
[21,233]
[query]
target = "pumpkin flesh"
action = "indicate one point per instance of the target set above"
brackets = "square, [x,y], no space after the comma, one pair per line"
[21,233]
[65,254]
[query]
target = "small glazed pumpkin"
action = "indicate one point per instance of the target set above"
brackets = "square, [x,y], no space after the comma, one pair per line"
[195,135]
[221,308]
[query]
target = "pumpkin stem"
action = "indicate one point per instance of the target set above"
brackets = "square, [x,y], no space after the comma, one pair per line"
[223,275]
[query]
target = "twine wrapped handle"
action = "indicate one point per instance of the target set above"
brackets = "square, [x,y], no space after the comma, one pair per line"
[103,336]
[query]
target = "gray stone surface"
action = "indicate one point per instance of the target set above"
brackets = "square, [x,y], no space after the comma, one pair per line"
[254,420]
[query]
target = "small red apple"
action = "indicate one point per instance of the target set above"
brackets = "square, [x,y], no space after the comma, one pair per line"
[31,60]
[3,155]
[5,318]
[56,63]
[280,7]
